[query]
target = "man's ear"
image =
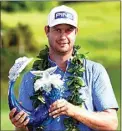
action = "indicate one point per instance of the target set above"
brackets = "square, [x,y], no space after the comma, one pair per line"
[47,29]
[76,30]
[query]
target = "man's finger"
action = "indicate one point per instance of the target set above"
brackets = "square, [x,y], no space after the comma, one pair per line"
[22,118]
[19,115]
[19,122]
[59,111]
[57,104]
[57,115]
[26,122]
[11,114]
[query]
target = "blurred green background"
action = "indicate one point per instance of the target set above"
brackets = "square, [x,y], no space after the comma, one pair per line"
[22,31]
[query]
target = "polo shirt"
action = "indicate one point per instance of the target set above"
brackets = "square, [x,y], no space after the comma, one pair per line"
[97,93]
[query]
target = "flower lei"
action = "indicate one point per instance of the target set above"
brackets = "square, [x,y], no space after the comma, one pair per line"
[75,82]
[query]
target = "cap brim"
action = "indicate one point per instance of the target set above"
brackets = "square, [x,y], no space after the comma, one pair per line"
[63,21]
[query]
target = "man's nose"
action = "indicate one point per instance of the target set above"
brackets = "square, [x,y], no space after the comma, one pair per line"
[63,35]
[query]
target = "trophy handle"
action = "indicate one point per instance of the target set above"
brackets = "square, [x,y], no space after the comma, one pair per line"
[40,114]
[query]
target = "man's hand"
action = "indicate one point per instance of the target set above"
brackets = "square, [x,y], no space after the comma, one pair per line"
[19,120]
[61,107]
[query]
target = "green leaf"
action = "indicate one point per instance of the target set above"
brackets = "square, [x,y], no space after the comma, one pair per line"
[70,70]
[69,82]
[70,77]
[36,103]
[82,69]
[43,53]
[41,99]
[77,86]
[79,81]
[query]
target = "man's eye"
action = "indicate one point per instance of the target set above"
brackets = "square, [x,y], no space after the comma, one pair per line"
[58,30]
[70,30]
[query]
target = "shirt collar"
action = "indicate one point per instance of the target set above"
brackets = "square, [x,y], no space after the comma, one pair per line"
[52,63]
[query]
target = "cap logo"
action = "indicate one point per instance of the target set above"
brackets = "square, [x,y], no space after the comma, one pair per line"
[63,14]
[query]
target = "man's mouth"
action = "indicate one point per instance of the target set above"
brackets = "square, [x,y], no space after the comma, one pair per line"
[62,44]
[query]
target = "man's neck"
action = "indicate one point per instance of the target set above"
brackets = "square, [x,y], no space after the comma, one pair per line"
[60,60]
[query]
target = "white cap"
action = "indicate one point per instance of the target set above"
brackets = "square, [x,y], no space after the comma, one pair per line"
[62,15]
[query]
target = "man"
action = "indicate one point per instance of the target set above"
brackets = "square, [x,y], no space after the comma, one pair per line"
[99,109]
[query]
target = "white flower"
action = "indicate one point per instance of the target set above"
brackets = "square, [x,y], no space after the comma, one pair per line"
[56,80]
[47,79]
[18,66]
[42,84]
[49,71]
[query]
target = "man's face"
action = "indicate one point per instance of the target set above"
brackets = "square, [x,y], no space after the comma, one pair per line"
[61,38]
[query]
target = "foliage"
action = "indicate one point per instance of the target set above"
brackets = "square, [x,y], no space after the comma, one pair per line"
[99,32]
[19,36]
[75,82]
[12,6]
[7,59]
[42,63]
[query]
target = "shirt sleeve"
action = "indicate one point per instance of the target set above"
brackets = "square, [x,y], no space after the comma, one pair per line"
[26,90]
[103,95]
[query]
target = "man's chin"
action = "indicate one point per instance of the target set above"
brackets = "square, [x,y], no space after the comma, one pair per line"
[62,52]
